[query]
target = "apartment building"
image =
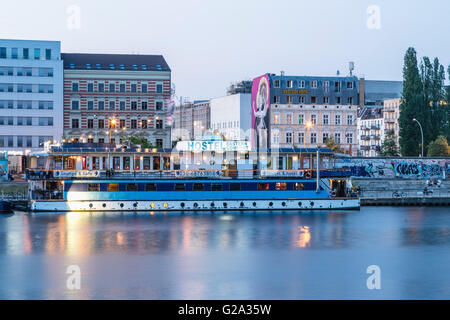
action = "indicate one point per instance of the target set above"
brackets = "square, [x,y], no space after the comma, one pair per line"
[31,97]
[391,115]
[110,97]
[370,132]
[191,120]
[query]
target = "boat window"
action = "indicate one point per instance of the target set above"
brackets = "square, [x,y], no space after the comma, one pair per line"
[198,187]
[281,186]
[94,187]
[216,187]
[180,187]
[235,187]
[150,187]
[299,186]
[263,186]
[132,187]
[113,187]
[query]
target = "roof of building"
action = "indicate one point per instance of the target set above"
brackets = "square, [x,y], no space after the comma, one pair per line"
[128,62]
[379,90]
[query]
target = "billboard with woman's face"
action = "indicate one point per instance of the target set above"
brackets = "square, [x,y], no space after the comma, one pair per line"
[260,111]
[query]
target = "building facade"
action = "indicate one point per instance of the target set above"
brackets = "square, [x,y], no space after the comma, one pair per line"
[110,97]
[370,132]
[231,116]
[373,92]
[31,97]
[391,115]
[191,120]
[304,111]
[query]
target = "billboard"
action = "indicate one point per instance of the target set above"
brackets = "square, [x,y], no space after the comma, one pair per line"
[260,112]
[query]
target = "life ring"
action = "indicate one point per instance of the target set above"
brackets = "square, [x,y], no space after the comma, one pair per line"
[308,175]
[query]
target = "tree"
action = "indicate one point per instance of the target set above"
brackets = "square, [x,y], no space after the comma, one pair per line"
[411,106]
[389,147]
[139,140]
[330,143]
[439,148]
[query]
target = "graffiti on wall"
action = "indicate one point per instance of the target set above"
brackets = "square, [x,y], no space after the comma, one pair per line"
[390,168]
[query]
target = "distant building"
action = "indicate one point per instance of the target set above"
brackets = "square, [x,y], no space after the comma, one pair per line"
[370,131]
[374,92]
[391,115]
[108,97]
[231,116]
[303,111]
[31,97]
[191,120]
[240,87]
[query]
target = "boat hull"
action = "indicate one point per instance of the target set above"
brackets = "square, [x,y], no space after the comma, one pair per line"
[193,205]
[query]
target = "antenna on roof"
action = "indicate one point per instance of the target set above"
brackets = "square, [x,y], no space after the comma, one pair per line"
[338,73]
[351,67]
[282,73]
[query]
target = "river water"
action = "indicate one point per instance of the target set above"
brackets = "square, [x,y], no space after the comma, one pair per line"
[241,255]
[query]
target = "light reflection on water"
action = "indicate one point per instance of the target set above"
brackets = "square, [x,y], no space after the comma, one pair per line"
[216,255]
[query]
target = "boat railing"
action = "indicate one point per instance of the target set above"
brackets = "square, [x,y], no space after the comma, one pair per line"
[48,174]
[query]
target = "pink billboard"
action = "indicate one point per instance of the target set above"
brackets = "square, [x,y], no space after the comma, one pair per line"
[260,111]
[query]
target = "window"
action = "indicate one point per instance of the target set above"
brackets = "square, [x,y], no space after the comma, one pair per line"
[313,137]
[90,123]
[75,105]
[90,87]
[325,119]
[37,54]
[2,53]
[198,187]
[349,138]
[159,143]
[263,186]
[281,186]
[14,53]
[112,87]
[326,86]
[75,123]
[113,187]
[150,187]
[101,123]
[326,100]
[235,187]
[122,105]
[276,118]
[301,137]
[132,187]
[289,118]
[314,119]
[159,105]
[349,119]
[122,87]
[276,83]
[180,187]
[144,123]
[48,54]
[313,99]
[314,84]
[101,105]
[90,105]
[133,105]
[349,85]
[122,123]
[276,99]
[275,137]
[112,105]
[289,99]
[337,86]
[101,87]
[159,124]
[301,83]
[95,187]
[216,187]
[144,105]
[289,137]
[289,83]
[350,100]
[133,124]
[159,88]
[338,100]
[337,137]
[133,87]
[324,137]
[75,87]
[337,119]
[144,88]
[299,186]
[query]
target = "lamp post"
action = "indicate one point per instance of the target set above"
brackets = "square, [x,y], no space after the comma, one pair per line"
[421,132]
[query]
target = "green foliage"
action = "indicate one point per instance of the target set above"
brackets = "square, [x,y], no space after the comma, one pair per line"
[389,147]
[439,148]
[142,141]
[330,143]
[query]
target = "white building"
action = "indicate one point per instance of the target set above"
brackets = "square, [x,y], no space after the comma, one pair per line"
[231,116]
[370,132]
[31,97]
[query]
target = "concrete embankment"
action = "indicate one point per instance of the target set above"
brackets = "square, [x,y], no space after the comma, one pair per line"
[403,192]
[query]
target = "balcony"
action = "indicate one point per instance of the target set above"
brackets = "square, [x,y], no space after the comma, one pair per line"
[365,128]
[389,120]
[375,127]
[375,137]
[365,137]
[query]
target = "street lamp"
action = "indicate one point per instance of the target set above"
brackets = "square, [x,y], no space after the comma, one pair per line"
[421,132]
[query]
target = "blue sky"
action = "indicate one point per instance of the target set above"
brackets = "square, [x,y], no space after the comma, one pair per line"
[209,43]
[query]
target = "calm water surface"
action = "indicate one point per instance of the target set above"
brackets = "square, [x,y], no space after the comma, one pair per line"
[251,255]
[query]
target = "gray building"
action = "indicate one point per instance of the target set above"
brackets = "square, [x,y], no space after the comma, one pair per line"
[374,92]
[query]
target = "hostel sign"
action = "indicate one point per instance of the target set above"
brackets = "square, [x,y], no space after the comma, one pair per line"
[218,146]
